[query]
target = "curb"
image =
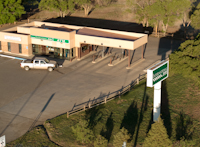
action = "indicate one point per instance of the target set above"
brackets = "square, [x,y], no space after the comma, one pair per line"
[12,57]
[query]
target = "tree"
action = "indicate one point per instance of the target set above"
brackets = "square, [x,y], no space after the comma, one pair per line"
[61,6]
[156,14]
[120,137]
[86,5]
[195,17]
[82,132]
[10,11]
[185,7]
[157,136]
[185,60]
[100,141]
[141,9]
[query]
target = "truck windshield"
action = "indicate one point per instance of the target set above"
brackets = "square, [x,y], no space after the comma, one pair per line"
[46,60]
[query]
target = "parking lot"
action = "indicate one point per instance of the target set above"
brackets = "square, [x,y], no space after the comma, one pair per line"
[28,98]
[15,82]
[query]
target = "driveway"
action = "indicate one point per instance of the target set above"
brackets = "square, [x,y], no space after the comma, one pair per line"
[30,98]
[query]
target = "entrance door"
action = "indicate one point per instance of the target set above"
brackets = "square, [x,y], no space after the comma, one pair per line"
[66,53]
[43,49]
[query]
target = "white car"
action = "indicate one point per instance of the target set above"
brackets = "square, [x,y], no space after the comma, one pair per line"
[38,63]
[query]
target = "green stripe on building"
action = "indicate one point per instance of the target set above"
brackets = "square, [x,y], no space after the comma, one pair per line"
[50,39]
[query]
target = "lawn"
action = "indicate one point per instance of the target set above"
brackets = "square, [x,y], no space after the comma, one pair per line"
[133,111]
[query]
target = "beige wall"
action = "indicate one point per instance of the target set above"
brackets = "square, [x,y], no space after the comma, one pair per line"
[72,39]
[139,42]
[106,41]
[25,41]
[4,46]
[52,34]
[25,30]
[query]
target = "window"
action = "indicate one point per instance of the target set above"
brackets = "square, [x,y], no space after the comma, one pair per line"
[20,48]
[42,62]
[36,62]
[9,49]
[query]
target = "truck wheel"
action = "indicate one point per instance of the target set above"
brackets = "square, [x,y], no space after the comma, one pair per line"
[50,69]
[26,68]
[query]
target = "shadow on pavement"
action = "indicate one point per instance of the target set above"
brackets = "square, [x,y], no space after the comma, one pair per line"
[37,118]
[24,104]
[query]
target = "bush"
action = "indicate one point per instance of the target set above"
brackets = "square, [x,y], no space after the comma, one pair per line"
[120,137]
[100,141]
[82,132]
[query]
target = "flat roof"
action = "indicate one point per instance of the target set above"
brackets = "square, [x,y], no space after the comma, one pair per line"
[61,28]
[97,33]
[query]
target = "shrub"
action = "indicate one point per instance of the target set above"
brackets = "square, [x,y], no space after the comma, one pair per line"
[120,137]
[100,141]
[82,132]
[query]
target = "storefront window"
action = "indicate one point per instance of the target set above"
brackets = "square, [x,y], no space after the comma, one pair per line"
[9,48]
[20,48]
[35,49]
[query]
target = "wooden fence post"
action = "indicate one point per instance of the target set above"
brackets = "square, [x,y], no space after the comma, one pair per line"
[67,114]
[119,94]
[89,105]
[105,99]
[84,108]
[130,87]
[138,81]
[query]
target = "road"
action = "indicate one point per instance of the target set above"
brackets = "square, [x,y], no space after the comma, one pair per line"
[29,98]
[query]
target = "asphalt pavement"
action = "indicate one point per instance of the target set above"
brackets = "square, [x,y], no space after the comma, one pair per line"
[28,98]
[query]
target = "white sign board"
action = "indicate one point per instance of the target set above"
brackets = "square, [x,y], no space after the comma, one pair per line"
[3,141]
[12,38]
[157,73]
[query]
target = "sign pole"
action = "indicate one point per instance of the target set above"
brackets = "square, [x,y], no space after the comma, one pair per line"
[155,76]
[156,101]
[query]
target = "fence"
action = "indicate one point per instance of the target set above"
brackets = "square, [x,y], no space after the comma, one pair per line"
[105,98]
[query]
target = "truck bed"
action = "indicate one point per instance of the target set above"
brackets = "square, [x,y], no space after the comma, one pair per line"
[28,61]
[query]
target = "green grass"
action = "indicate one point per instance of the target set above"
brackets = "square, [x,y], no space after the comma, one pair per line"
[134,112]
[36,137]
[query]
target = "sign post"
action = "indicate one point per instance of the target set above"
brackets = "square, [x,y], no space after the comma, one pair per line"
[155,75]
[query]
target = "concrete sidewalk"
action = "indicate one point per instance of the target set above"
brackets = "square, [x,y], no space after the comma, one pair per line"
[84,82]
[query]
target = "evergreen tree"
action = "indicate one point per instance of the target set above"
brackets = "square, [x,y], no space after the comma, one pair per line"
[195,17]
[10,10]
[186,59]
[120,137]
[157,136]
[100,141]
[82,132]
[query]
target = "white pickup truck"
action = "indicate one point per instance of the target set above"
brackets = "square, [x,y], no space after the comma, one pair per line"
[38,63]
